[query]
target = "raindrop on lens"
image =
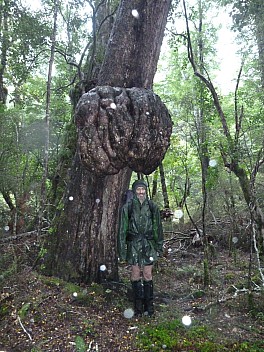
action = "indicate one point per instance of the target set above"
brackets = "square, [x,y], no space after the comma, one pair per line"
[128,313]
[71,198]
[102,267]
[113,106]
[186,320]
[212,163]
[135,13]
[178,213]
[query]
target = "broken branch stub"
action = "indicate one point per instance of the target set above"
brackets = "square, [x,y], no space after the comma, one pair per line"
[122,127]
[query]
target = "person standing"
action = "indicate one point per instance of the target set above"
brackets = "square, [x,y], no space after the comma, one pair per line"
[140,242]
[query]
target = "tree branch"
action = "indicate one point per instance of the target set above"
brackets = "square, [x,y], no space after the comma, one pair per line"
[238,119]
[207,81]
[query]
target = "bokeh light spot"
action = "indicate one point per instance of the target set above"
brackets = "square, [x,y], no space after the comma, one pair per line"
[212,163]
[135,13]
[102,267]
[178,213]
[235,240]
[129,313]
[186,320]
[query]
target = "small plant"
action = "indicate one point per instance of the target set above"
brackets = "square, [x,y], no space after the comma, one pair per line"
[230,277]
[80,344]
[162,336]
[35,349]
[260,317]
[4,310]
[24,310]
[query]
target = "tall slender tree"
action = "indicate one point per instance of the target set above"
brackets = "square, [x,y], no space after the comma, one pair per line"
[47,115]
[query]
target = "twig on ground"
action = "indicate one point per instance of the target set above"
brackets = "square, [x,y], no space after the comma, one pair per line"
[24,329]
[91,348]
[228,298]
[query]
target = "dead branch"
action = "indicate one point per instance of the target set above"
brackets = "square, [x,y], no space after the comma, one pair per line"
[260,269]
[24,329]
[23,235]
[228,298]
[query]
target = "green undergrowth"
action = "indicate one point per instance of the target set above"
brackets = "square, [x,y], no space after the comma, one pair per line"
[173,336]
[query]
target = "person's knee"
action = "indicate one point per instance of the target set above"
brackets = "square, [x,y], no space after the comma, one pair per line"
[147,277]
[147,273]
[135,273]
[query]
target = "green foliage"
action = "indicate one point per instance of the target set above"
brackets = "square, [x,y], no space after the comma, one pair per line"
[154,338]
[4,309]
[173,336]
[23,47]
[24,310]
[22,126]
[198,132]
[8,266]
[212,177]
[80,344]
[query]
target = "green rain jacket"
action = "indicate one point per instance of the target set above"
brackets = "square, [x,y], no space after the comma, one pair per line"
[140,235]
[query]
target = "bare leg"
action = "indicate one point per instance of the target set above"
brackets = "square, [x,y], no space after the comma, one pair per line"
[147,272]
[135,273]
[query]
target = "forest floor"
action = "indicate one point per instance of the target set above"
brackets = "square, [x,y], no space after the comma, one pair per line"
[40,313]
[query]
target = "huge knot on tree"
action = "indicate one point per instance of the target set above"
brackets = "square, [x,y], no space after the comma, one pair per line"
[122,127]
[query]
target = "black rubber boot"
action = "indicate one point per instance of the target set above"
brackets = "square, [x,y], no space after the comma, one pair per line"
[138,297]
[148,298]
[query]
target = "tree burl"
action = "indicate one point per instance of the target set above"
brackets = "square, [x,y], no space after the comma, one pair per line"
[122,127]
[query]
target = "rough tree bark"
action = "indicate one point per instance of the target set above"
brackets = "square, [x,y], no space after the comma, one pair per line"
[110,138]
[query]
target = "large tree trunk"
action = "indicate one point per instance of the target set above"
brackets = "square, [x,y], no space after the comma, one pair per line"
[85,236]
